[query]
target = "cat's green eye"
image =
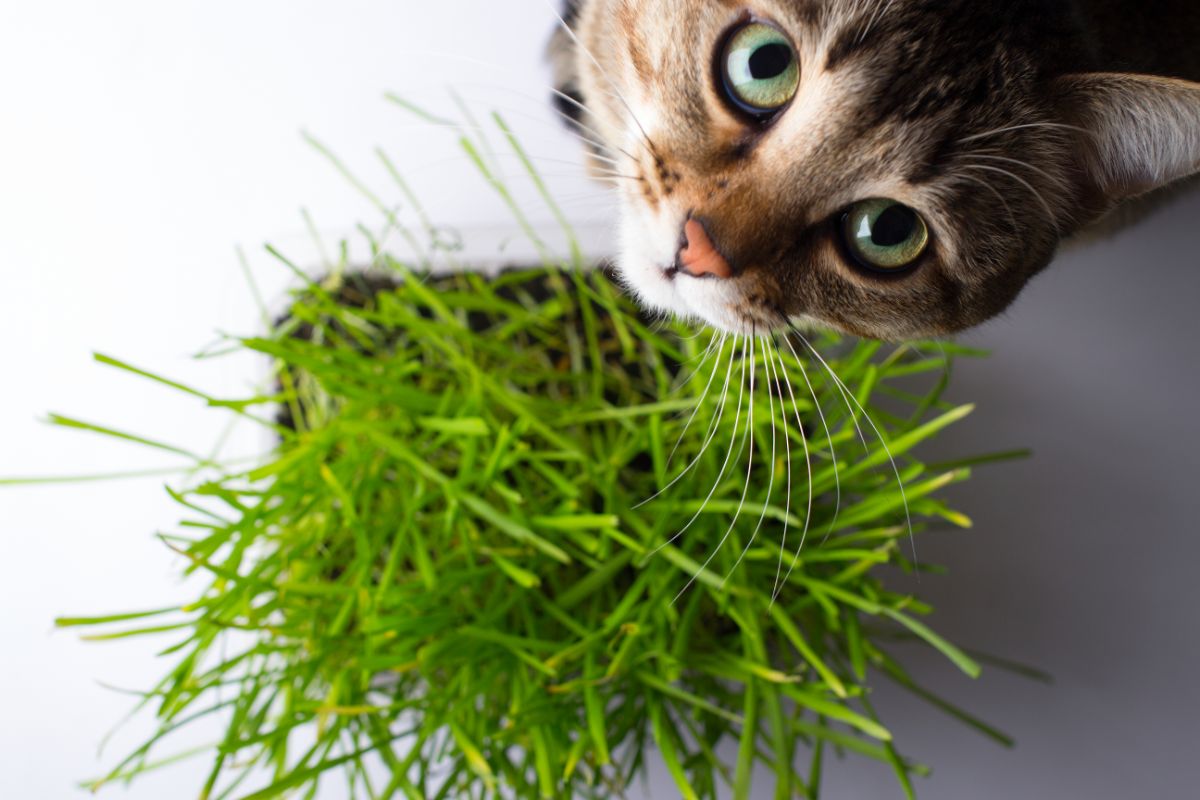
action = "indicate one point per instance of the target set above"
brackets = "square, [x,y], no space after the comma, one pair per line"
[884,236]
[760,72]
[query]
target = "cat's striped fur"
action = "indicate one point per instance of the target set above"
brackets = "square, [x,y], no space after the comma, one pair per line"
[1010,126]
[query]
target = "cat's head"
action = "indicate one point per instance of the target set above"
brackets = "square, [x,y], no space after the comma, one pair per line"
[888,168]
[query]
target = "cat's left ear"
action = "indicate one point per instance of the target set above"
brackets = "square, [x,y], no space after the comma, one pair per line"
[1140,132]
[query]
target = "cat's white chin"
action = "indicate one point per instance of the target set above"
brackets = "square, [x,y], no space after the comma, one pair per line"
[719,304]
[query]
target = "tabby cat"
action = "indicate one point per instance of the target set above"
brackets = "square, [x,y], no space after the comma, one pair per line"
[888,168]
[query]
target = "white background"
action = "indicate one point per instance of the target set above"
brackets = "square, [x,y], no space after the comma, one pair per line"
[140,142]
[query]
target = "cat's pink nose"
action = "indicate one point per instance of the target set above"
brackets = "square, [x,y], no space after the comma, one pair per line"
[699,256]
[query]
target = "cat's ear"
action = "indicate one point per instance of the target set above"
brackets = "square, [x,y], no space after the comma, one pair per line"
[1139,132]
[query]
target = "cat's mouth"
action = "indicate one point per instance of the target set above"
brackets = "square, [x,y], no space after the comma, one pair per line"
[690,277]
[721,304]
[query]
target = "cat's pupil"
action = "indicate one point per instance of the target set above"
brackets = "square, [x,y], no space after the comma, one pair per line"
[770,61]
[894,226]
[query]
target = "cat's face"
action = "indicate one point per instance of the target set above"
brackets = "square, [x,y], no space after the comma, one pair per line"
[875,167]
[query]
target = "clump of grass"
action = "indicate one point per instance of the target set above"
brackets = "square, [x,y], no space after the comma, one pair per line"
[446,580]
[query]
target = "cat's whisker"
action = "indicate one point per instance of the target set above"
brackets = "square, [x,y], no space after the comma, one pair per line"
[762,342]
[1020,163]
[595,193]
[578,123]
[601,171]
[849,397]
[613,93]
[808,464]
[492,67]
[615,185]
[703,396]
[598,141]
[602,200]
[1003,200]
[548,125]
[539,102]
[747,437]
[611,162]
[1026,126]
[660,324]
[648,143]
[714,343]
[552,160]
[728,456]
[591,176]
[1033,189]
[1052,179]
[880,13]
[595,137]
[601,174]
[507,159]
[700,331]
[837,478]
[787,511]
[595,145]
[714,426]
[853,415]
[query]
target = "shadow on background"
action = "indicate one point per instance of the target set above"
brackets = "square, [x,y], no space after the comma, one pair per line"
[1083,559]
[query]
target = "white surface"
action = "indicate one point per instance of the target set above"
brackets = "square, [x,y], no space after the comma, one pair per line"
[142,141]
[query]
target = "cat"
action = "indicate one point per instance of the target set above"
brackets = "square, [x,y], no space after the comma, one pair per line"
[891,169]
